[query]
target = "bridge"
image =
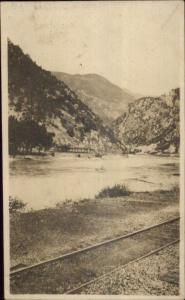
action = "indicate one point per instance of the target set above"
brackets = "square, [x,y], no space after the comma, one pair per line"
[74,149]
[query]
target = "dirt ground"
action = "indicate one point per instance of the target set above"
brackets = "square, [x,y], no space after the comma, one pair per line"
[47,233]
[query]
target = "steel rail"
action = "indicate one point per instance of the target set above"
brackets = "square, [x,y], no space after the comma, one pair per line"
[77,289]
[67,255]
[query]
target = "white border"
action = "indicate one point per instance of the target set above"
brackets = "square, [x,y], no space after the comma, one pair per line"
[182,163]
[4,76]
[6,184]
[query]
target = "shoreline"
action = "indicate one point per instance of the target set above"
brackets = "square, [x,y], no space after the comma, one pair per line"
[93,155]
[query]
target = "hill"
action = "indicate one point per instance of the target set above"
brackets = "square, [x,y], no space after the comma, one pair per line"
[151,124]
[40,104]
[105,99]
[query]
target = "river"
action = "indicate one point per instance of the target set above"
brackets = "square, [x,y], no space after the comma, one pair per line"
[42,182]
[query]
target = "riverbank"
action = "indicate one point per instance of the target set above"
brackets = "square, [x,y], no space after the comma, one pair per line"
[43,234]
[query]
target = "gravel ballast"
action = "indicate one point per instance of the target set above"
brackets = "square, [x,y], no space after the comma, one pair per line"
[148,276]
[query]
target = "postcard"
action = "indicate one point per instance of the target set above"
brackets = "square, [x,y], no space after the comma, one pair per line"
[93,149]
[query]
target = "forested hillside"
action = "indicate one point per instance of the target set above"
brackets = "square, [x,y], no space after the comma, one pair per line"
[151,124]
[44,111]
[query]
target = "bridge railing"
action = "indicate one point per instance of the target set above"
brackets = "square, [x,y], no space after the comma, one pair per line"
[75,150]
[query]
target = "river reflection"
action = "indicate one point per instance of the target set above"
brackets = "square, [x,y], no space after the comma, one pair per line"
[43,181]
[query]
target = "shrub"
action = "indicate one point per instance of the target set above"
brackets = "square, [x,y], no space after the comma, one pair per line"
[116,191]
[67,202]
[16,205]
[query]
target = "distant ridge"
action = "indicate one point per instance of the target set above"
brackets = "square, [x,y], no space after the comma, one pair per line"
[105,99]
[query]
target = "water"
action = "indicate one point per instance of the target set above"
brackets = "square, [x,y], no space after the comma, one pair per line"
[44,181]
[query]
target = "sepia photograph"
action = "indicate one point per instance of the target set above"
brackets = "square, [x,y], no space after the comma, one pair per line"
[93,149]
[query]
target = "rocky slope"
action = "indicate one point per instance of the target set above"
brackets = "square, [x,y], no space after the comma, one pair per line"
[37,95]
[105,99]
[151,124]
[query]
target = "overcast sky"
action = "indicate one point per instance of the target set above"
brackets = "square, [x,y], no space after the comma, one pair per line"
[136,45]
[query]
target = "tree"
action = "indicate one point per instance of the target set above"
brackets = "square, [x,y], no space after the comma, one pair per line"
[14,136]
[25,135]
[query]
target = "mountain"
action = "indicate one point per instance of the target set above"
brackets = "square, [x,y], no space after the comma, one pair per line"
[151,124]
[39,103]
[107,100]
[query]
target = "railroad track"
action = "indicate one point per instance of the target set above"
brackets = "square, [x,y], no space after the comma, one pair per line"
[78,289]
[69,273]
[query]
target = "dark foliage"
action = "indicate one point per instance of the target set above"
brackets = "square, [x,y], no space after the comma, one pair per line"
[16,205]
[25,135]
[116,191]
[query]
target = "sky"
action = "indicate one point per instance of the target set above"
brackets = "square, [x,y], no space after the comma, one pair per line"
[134,44]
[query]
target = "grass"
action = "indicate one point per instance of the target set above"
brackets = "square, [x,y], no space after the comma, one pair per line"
[47,233]
[117,190]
